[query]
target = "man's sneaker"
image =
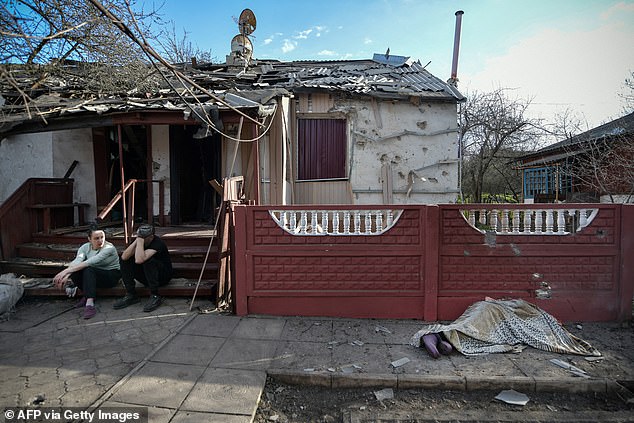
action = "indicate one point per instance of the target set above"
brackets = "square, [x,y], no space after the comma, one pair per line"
[154,302]
[128,300]
[89,312]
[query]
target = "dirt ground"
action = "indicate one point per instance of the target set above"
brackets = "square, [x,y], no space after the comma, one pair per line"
[302,404]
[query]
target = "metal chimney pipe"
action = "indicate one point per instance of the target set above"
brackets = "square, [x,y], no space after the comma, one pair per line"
[456,47]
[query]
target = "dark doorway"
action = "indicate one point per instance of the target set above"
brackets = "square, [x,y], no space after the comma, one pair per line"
[107,166]
[193,163]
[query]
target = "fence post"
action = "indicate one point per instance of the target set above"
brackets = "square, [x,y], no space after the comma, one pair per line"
[626,274]
[240,260]
[430,232]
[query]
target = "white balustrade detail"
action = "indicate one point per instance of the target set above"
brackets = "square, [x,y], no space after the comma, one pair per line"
[335,222]
[530,221]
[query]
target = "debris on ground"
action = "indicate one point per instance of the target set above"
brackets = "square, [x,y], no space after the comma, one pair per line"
[11,290]
[512,397]
[571,368]
[383,394]
[400,362]
[383,329]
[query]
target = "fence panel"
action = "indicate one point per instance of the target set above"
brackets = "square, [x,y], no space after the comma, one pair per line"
[431,262]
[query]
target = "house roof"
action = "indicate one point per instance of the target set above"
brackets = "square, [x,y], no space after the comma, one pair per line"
[68,96]
[573,145]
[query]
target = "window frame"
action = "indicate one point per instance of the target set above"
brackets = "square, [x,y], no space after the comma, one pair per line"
[345,134]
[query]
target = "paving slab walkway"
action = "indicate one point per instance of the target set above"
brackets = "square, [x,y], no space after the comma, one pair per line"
[193,367]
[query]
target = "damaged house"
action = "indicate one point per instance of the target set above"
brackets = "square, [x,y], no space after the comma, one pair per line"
[373,131]
[593,166]
[352,132]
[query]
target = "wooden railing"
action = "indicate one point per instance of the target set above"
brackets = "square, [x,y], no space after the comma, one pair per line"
[18,218]
[128,206]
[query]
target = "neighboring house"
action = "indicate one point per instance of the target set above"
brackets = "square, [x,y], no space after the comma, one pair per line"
[377,131]
[594,166]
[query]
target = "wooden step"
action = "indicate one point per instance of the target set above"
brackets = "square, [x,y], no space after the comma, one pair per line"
[50,267]
[67,252]
[178,287]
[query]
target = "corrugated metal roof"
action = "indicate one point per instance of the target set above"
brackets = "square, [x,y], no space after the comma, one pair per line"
[408,79]
[620,126]
[70,92]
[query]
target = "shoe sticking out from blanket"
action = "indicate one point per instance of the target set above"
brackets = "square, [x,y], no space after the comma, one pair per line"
[430,341]
[443,346]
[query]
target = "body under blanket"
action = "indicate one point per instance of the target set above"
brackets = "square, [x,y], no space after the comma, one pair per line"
[494,326]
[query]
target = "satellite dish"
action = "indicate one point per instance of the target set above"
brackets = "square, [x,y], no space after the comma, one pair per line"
[246,22]
[242,45]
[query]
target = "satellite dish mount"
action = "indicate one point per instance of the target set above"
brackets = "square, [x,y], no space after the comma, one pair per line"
[241,46]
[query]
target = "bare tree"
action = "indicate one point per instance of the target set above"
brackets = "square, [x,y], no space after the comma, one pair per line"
[628,93]
[494,127]
[180,49]
[603,167]
[109,43]
[44,36]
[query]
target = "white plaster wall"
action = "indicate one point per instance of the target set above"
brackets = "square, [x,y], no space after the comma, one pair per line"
[76,144]
[405,153]
[161,164]
[22,157]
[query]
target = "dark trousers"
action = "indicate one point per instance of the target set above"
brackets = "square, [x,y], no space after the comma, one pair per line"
[91,278]
[152,274]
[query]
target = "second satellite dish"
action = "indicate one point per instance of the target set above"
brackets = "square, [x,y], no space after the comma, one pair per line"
[246,22]
[241,45]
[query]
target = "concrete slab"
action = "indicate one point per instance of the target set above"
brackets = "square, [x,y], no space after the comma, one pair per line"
[31,313]
[297,356]
[220,325]
[245,354]
[485,365]
[356,381]
[349,330]
[226,391]
[260,328]
[155,414]
[196,417]
[366,358]
[398,331]
[189,349]
[159,383]
[306,329]
[306,378]
[420,362]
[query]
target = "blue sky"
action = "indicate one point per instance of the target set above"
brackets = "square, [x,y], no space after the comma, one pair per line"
[560,54]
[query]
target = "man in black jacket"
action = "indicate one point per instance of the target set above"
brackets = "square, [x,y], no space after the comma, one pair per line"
[147,260]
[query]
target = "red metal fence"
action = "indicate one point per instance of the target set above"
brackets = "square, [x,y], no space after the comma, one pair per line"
[430,262]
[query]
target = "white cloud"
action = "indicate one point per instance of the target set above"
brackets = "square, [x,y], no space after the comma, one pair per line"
[367,41]
[581,70]
[268,41]
[288,46]
[315,31]
[326,53]
[302,35]
[617,9]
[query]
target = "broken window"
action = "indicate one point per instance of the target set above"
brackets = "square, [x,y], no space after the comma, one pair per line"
[321,149]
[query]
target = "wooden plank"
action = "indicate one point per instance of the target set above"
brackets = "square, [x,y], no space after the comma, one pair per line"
[215,185]
[387,183]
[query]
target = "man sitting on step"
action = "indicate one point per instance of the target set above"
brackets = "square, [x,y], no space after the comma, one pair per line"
[147,260]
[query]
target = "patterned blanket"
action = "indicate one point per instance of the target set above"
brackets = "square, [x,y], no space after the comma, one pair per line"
[494,326]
